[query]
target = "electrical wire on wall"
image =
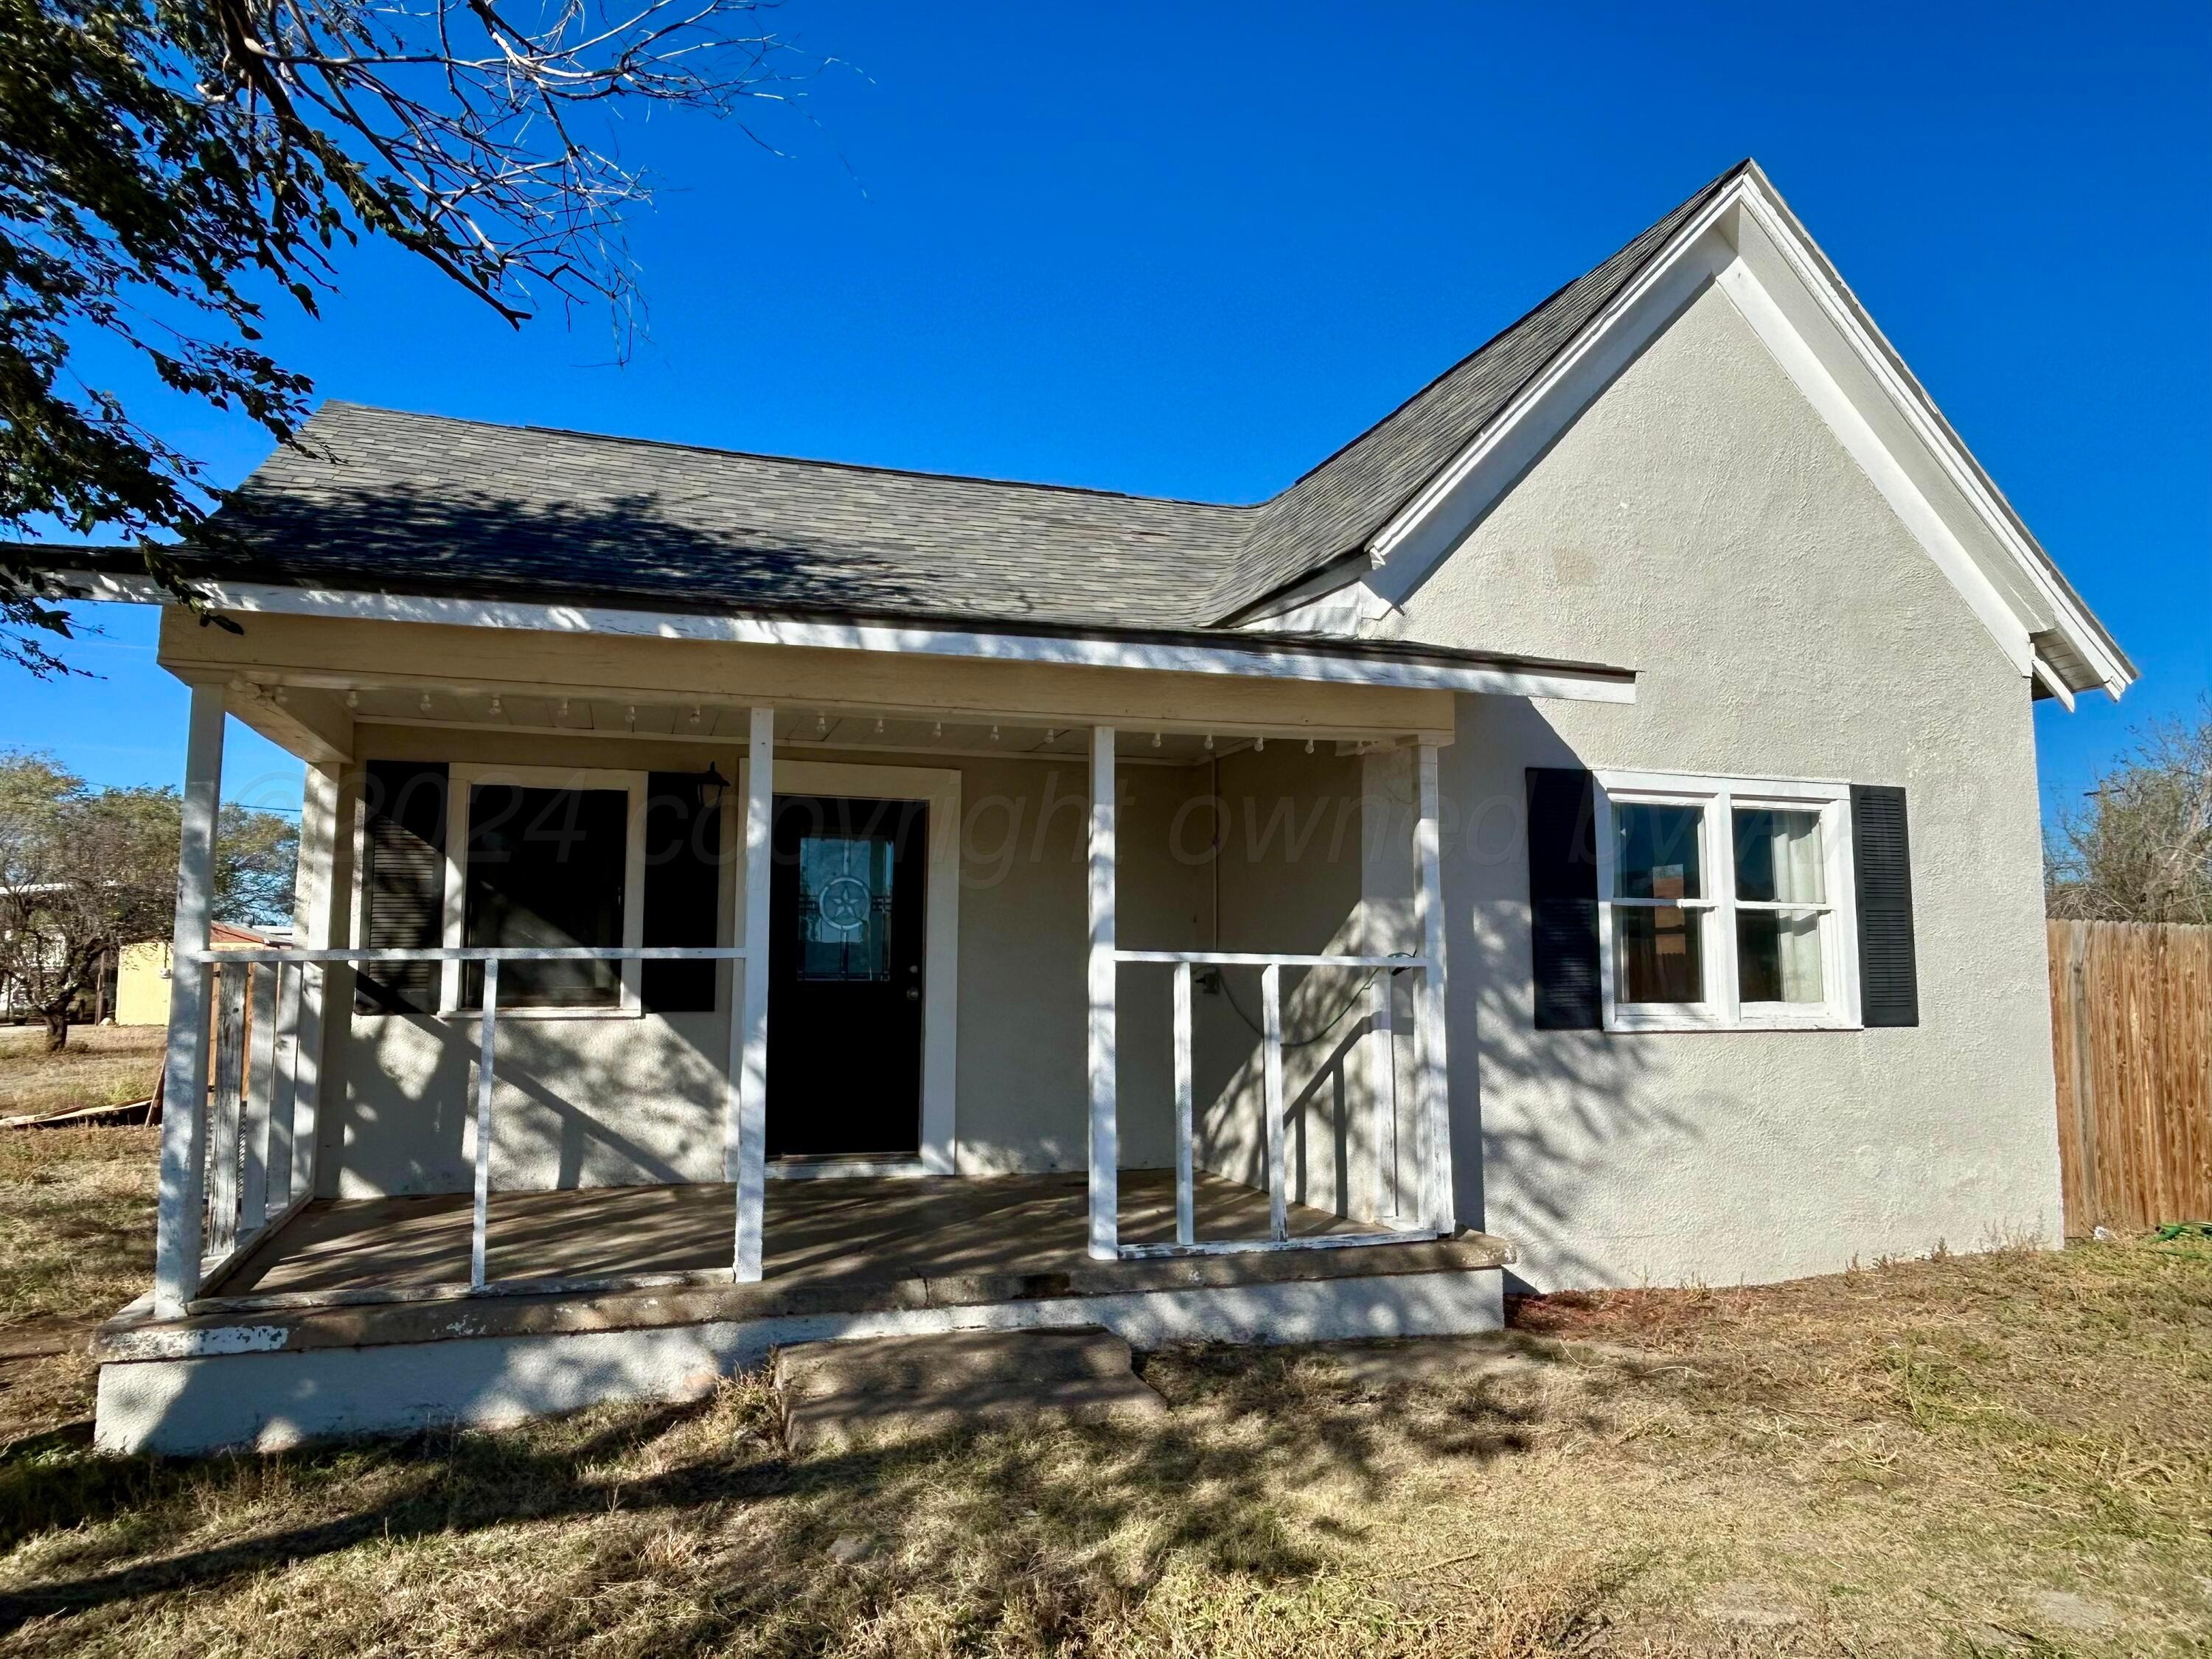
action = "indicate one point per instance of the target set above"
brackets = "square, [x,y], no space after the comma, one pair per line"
[1353,999]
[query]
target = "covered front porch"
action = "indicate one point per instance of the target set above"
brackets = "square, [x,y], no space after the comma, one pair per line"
[1162,992]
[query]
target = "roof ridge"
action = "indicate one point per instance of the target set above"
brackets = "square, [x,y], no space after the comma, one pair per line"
[792,460]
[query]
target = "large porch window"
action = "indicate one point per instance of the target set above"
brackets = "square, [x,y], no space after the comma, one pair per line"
[548,858]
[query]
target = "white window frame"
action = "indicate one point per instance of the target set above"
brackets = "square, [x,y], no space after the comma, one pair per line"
[1722,1009]
[461,785]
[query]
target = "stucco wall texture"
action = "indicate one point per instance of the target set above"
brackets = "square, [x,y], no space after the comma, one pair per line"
[1698,522]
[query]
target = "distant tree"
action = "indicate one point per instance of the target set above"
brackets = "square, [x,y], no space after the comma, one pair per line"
[2140,848]
[84,872]
[167,167]
[257,858]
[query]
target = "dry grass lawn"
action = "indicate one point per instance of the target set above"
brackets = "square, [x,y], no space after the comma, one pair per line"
[101,1066]
[1984,1454]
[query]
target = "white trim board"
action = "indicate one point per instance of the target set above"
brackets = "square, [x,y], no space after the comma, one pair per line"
[1253,659]
[941,973]
[1746,241]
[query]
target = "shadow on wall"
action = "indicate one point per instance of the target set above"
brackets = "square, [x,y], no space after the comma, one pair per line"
[410,1110]
[1548,1109]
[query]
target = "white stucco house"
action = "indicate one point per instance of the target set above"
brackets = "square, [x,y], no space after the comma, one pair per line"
[1585,829]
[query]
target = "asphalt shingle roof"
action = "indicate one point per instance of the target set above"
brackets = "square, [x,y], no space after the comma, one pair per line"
[385,501]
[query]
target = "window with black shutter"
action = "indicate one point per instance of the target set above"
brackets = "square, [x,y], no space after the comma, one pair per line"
[683,888]
[1670,901]
[402,882]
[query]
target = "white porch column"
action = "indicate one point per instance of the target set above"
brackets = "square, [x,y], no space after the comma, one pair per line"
[1435,1127]
[1105,1135]
[749,1032]
[314,910]
[181,1218]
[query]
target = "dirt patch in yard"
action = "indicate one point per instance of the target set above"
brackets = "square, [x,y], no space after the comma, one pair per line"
[1981,1455]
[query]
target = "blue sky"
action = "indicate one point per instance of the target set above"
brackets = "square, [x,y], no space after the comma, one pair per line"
[1188,251]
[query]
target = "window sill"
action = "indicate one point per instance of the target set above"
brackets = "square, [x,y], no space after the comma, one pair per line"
[505,1013]
[1677,1024]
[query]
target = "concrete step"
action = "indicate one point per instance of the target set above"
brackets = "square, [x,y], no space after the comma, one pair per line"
[878,1388]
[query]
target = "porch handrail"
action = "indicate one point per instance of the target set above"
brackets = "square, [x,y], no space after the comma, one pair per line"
[277,957]
[281,953]
[1271,964]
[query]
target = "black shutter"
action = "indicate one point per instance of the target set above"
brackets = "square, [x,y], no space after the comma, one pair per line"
[1563,899]
[682,870]
[1889,982]
[403,883]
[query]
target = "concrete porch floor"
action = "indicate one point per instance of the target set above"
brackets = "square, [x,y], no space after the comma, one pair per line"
[870,1227]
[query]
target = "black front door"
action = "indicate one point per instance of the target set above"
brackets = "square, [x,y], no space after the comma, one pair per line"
[845,976]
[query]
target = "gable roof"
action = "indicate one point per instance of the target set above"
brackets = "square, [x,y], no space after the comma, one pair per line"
[376,500]
[1337,507]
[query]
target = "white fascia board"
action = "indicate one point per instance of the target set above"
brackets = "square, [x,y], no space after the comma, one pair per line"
[1787,291]
[1767,226]
[1258,661]
[1998,611]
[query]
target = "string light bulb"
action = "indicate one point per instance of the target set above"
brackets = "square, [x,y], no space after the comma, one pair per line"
[425,704]
[995,731]
[1156,739]
[1259,746]
[1209,742]
[630,718]
[821,724]
[937,730]
[879,726]
[353,699]
[695,713]
[498,709]
[1309,745]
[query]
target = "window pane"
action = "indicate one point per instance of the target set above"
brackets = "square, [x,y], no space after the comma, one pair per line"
[844,908]
[1655,851]
[1778,956]
[1777,856]
[545,868]
[1658,955]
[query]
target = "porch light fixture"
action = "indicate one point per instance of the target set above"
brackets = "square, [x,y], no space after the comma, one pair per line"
[710,785]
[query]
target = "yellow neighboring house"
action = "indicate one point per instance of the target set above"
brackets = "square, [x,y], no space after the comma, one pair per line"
[142,973]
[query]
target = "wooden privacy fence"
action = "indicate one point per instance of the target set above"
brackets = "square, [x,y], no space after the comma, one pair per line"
[2131,1029]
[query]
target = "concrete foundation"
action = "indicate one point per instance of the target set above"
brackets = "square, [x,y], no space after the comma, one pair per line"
[220,1400]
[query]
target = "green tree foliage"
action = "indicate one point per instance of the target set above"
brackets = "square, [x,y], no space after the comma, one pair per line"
[84,872]
[168,168]
[2140,848]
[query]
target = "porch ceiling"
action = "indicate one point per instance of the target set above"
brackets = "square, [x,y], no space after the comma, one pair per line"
[797,727]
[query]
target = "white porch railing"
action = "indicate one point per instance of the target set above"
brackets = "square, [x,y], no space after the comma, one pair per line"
[254,1119]
[1435,1202]
[1383,1103]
